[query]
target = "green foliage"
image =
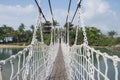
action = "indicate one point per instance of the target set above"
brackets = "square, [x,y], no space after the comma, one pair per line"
[20,35]
[5,31]
[46,37]
[94,35]
[112,34]
[72,36]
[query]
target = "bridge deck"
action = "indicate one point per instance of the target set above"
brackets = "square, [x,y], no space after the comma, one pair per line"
[59,72]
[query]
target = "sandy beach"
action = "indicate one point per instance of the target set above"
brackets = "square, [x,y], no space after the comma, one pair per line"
[11,46]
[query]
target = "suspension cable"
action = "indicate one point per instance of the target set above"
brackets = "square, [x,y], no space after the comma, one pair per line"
[67,23]
[68,10]
[40,10]
[53,30]
[78,6]
[51,10]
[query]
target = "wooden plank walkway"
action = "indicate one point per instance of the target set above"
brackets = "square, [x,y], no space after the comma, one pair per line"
[59,72]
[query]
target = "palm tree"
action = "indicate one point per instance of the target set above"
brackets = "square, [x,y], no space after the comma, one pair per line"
[32,28]
[112,34]
[21,32]
[21,27]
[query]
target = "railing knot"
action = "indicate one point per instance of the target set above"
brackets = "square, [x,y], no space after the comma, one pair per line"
[12,57]
[20,53]
[115,60]
[2,62]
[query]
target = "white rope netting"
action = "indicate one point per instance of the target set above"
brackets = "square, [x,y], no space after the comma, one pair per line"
[83,62]
[35,62]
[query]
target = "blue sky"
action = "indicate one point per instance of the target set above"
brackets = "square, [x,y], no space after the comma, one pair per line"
[104,14]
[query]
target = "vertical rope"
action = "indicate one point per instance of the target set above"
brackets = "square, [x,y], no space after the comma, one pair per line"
[81,62]
[0,72]
[34,62]
[68,26]
[115,63]
[51,42]
[44,62]
[37,61]
[39,58]
[89,65]
[18,72]
[12,69]
[86,62]
[98,66]
[23,59]
[26,72]
[2,62]
[106,65]
[92,64]
[34,66]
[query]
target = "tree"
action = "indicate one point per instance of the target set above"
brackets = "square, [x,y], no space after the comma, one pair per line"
[15,36]
[6,31]
[93,35]
[28,36]
[112,34]
[21,27]
[32,28]
[21,32]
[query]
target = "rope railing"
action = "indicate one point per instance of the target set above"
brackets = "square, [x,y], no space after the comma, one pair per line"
[86,63]
[20,58]
[41,60]
[35,62]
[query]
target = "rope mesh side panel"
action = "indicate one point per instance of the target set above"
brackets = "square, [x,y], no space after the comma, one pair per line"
[84,63]
[41,61]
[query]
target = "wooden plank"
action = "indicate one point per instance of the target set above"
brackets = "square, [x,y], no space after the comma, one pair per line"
[59,72]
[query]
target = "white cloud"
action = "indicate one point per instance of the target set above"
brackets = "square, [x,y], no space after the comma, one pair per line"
[14,15]
[98,13]
[60,15]
[16,9]
[95,12]
[96,7]
[103,7]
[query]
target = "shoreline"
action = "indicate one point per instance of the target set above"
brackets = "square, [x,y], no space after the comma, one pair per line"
[23,46]
[99,46]
[12,46]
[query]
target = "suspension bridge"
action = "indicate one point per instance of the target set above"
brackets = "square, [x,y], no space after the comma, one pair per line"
[59,60]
